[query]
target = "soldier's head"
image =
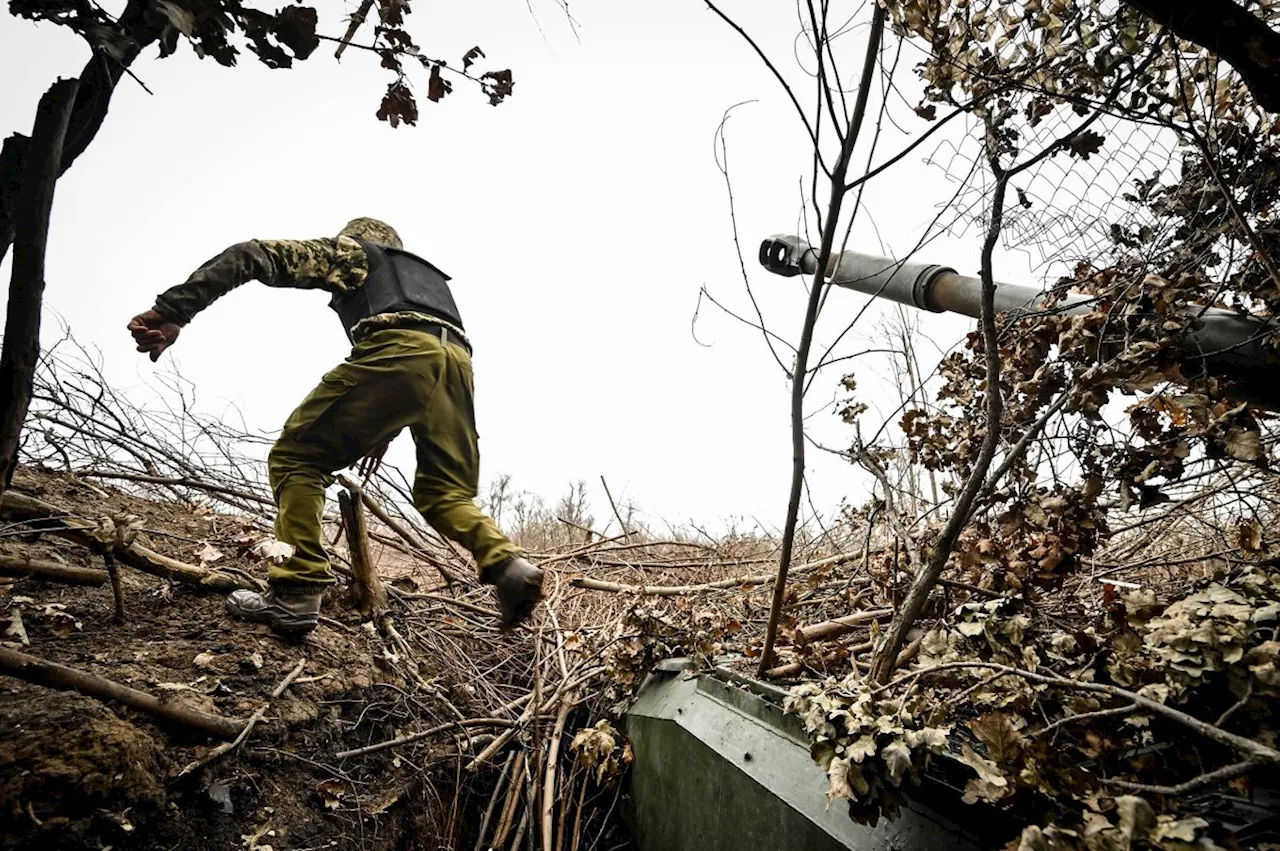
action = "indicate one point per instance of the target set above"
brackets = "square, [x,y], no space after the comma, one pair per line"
[372,230]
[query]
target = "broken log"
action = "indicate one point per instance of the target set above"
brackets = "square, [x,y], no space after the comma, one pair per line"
[18,506]
[839,626]
[50,571]
[42,672]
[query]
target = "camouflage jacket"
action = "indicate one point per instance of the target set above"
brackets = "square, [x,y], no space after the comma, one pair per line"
[334,265]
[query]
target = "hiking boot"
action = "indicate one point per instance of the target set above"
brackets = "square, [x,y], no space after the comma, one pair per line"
[292,612]
[519,587]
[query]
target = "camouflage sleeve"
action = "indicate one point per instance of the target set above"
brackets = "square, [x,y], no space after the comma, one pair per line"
[333,265]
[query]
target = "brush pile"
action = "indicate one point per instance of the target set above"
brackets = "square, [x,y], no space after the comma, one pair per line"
[405,720]
[1101,713]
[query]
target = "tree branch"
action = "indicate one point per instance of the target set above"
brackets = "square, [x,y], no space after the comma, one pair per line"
[806,338]
[1225,29]
[1257,751]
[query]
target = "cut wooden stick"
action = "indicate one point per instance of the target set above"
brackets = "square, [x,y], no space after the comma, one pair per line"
[839,626]
[520,835]
[371,597]
[249,725]
[498,789]
[509,806]
[50,571]
[422,551]
[42,672]
[577,818]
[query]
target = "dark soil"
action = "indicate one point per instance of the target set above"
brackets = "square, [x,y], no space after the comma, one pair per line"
[79,773]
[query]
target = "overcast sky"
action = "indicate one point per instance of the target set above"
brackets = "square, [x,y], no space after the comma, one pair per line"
[579,220]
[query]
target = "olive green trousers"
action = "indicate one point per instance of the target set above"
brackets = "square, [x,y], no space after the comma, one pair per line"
[394,379]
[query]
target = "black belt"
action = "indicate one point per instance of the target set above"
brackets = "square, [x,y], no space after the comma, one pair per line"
[446,334]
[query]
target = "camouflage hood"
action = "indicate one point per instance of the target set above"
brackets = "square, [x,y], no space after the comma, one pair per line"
[372,230]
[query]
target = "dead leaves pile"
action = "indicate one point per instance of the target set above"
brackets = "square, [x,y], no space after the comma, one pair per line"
[1222,634]
[869,749]
[1046,753]
[602,750]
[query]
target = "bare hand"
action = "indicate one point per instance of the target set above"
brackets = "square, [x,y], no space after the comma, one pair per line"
[371,462]
[153,333]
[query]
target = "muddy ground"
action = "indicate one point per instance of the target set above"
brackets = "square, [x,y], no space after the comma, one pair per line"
[76,772]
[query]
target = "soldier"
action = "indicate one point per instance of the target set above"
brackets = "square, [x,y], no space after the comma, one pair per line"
[410,366]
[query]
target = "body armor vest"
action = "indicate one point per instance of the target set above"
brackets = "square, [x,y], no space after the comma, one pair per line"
[397,281]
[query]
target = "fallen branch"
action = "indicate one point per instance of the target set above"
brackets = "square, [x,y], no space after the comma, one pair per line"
[549,784]
[1257,750]
[839,626]
[614,506]
[1227,772]
[790,669]
[42,672]
[1085,716]
[195,484]
[417,737]
[909,652]
[666,590]
[248,727]
[17,506]
[50,571]
[441,598]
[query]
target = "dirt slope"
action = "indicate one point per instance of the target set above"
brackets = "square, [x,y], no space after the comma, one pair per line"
[76,772]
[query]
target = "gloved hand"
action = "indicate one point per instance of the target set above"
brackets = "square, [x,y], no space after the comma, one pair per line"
[153,333]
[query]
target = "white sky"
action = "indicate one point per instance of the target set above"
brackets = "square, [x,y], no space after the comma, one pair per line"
[578,220]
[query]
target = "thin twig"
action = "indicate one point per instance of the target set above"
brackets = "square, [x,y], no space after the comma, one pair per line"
[257,716]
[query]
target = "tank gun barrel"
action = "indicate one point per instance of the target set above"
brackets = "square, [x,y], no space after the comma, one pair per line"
[1221,343]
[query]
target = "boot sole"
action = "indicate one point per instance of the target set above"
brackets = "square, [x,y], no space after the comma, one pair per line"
[281,623]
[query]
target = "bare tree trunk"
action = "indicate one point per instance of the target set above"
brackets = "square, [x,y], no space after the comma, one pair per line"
[26,292]
[88,109]
[887,656]
[838,190]
[1226,29]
